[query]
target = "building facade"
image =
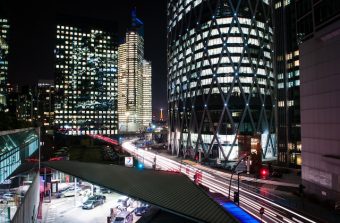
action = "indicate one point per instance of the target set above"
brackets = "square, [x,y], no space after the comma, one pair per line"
[134,78]
[221,90]
[45,96]
[319,26]
[146,112]
[86,60]
[4,48]
[288,83]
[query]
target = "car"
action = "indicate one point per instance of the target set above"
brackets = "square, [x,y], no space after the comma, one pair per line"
[104,190]
[93,202]
[276,174]
[124,201]
[60,192]
[101,197]
[142,209]
[68,193]
[85,192]
[123,217]
[337,206]
[8,197]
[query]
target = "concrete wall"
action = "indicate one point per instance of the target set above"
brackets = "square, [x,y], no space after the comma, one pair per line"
[320,112]
[28,210]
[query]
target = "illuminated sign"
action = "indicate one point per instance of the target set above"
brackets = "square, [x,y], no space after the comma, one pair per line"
[129,161]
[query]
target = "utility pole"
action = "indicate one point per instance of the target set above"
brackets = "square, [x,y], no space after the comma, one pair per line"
[75,191]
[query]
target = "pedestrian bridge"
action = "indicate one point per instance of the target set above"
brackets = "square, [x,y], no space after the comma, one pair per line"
[15,147]
[169,191]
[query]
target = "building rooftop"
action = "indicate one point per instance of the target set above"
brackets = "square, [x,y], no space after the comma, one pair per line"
[172,192]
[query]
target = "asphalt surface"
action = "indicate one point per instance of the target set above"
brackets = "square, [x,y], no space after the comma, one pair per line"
[68,209]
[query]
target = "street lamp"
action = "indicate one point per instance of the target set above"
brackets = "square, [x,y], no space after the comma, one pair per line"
[238,178]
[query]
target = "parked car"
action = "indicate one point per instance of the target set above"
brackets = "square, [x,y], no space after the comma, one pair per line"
[101,197]
[123,217]
[337,206]
[124,202]
[67,193]
[142,209]
[85,192]
[8,197]
[104,190]
[93,202]
[276,174]
[70,192]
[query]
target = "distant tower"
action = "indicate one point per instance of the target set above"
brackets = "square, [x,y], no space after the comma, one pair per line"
[134,80]
[161,116]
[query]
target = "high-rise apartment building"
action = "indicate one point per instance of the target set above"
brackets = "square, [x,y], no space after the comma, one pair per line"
[4,29]
[86,77]
[221,89]
[134,81]
[288,83]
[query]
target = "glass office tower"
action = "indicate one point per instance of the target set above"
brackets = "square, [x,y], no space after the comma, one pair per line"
[221,94]
[287,63]
[86,77]
[4,28]
[134,80]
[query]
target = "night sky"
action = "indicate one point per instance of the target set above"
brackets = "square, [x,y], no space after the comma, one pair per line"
[32,36]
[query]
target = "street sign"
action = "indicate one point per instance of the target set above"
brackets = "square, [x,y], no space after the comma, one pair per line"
[129,161]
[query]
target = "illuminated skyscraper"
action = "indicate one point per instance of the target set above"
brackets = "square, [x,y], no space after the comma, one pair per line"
[288,83]
[146,111]
[4,28]
[86,77]
[134,81]
[221,90]
[45,94]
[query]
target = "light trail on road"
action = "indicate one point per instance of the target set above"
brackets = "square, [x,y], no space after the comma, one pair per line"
[249,201]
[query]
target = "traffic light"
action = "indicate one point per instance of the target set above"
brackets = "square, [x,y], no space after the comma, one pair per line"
[264,173]
[140,166]
[236,197]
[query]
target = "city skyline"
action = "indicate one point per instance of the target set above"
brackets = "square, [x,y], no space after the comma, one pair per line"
[245,115]
[28,70]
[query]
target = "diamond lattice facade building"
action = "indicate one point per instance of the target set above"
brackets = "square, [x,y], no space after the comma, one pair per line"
[221,92]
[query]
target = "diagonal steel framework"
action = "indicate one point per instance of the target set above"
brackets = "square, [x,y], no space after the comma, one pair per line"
[220,76]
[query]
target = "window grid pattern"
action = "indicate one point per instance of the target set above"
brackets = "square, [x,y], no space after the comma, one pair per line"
[220,78]
[4,28]
[86,81]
